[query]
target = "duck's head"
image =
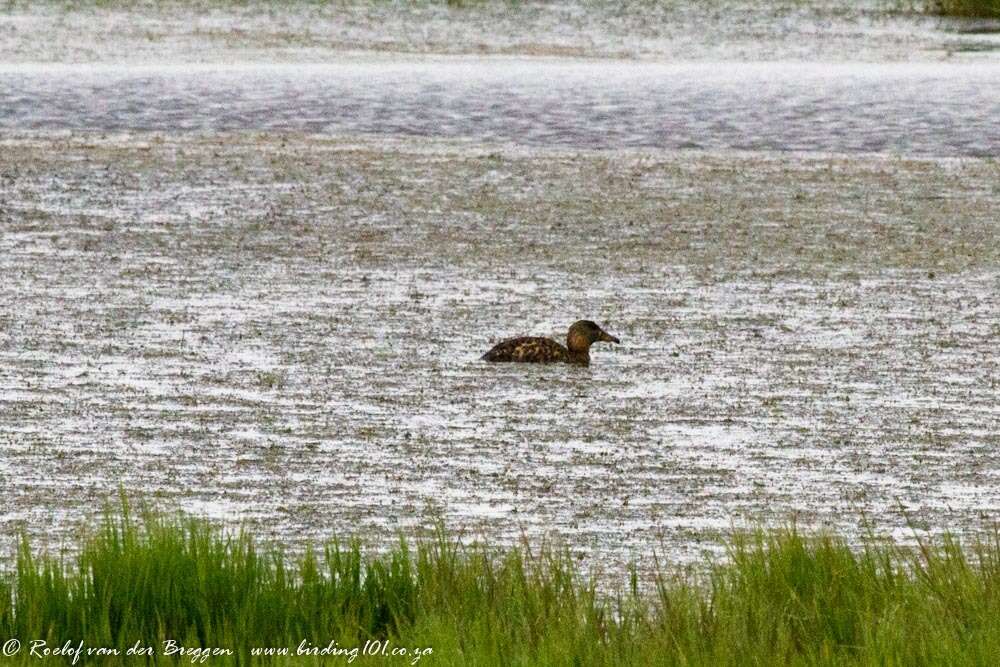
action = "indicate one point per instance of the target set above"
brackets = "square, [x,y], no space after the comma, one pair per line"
[583,333]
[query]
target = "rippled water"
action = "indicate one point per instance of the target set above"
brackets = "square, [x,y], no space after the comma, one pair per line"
[287,331]
[917,109]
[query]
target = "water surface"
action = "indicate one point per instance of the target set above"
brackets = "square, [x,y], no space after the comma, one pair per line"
[914,109]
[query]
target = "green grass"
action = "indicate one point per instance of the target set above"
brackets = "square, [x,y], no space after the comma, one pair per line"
[780,598]
[966,8]
[983,9]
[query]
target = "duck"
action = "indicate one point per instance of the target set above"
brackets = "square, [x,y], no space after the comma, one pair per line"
[534,349]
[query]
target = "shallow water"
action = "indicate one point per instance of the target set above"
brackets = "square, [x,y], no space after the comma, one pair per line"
[286,331]
[708,31]
[913,109]
[213,309]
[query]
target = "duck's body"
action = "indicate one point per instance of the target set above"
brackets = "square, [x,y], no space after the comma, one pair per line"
[533,349]
[529,349]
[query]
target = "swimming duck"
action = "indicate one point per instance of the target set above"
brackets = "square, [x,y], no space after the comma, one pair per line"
[546,351]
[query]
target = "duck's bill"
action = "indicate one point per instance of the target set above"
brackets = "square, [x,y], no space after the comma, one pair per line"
[608,338]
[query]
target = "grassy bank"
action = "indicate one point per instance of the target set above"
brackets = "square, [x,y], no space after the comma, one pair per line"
[966,8]
[970,9]
[781,598]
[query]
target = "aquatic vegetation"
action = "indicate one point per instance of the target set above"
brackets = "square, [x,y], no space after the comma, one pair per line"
[966,8]
[177,584]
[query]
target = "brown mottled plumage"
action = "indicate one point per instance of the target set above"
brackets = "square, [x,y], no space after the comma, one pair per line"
[537,350]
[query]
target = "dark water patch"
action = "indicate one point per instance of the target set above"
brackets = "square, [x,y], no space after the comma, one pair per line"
[974,47]
[985,27]
[930,109]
